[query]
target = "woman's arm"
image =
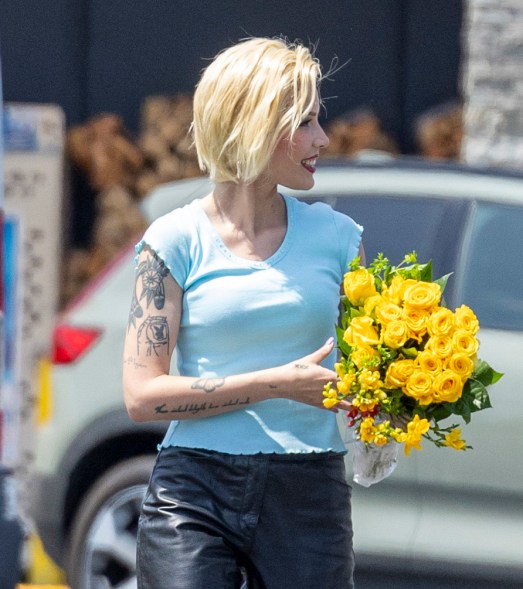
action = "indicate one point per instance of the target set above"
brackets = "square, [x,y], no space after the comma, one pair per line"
[150,393]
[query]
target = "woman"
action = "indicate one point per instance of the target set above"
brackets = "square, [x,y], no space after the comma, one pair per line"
[249,481]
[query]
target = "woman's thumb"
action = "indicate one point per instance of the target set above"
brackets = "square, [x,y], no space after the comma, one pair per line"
[321,353]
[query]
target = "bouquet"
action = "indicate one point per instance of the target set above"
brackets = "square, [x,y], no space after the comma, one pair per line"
[407,361]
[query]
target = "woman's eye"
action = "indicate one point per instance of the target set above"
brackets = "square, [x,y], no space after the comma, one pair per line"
[305,123]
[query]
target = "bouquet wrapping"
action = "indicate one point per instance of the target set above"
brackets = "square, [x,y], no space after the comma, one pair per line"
[407,364]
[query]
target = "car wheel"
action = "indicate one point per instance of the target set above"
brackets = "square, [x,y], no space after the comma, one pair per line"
[102,541]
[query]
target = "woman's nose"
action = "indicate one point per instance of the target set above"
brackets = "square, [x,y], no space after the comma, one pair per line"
[322,139]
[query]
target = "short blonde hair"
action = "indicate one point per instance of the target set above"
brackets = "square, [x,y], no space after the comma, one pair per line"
[249,97]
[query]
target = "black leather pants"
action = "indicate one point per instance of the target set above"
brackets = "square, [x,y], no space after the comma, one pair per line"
[221,521]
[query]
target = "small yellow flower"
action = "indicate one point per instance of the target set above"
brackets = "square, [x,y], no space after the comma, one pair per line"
[362,355]
[369,380]
[364,405]
[330,396]
[345,384]
[453,440]
[415,430]
[367,430]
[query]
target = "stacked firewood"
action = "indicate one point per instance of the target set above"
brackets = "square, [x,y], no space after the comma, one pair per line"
[119,172]
[358,131]
[439,132]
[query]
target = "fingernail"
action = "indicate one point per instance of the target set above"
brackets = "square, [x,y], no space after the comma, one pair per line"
[329,341]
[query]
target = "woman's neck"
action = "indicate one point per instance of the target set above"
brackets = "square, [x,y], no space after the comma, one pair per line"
[251,220]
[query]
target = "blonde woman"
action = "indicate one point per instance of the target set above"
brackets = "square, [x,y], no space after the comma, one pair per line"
[249,484]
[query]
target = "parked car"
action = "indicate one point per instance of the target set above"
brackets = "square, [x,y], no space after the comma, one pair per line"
[440,511]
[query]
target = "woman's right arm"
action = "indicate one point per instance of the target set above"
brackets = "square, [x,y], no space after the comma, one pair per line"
[151,393]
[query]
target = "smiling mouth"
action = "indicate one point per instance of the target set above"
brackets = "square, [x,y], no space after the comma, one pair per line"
[310,164]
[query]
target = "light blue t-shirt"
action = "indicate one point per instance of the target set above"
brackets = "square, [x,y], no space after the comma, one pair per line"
[241,315]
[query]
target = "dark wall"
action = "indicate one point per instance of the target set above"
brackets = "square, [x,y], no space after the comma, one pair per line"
[92,56]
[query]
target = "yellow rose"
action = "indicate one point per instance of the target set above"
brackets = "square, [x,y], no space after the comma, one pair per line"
[464,342]
[361,332]
[416,320]
[465,319]
[419,386]
[441,322]
[395,334]
[359,286]
[396,289]
[398,373]
[362,355]
[441,345]
[387,312]
[371,303]
[447,386]
[429,362]
[461,364]
[422,295]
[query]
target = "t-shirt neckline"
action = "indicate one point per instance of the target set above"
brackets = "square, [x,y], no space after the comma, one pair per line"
[268,262]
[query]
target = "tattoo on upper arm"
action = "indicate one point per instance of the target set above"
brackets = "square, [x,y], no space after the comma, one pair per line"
[154,333]
[150,281]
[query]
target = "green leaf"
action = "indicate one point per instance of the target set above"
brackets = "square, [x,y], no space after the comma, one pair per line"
[425,272]
[441,411]
[342,344]
[442,281]
[485,374]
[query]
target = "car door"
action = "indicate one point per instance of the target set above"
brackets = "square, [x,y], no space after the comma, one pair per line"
[474,498]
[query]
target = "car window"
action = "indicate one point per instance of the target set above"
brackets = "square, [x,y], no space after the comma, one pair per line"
[493,277]
[399,225]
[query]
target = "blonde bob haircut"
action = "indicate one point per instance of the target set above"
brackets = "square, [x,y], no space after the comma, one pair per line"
[251,95]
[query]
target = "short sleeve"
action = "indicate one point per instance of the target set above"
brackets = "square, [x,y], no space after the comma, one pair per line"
[168,236]
[349,236]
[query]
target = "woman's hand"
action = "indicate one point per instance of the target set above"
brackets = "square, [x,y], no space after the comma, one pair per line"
[305,378]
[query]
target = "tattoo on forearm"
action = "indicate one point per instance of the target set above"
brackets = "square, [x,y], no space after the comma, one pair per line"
[154,333]
[195,408]
[208,385]
[150,277]
[301,366]
[130,361]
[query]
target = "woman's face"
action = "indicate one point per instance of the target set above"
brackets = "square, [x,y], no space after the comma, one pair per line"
[293,163]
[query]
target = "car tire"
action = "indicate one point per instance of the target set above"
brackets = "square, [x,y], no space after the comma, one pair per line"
[102,539]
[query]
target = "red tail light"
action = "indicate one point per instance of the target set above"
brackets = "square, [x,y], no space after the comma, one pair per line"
[69,343]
